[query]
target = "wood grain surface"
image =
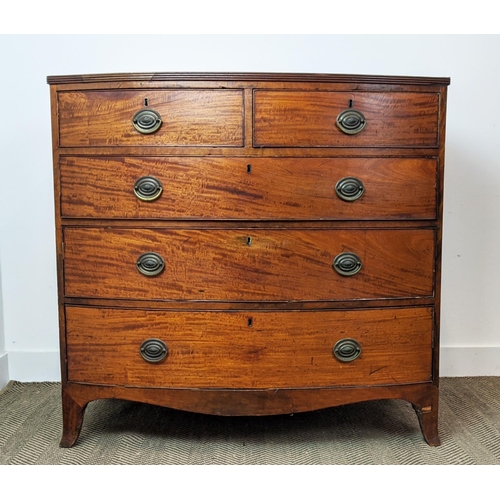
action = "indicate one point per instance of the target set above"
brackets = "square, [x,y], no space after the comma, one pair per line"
[213,188]
[221,350]
[308,119]
[189,118]
[283,264]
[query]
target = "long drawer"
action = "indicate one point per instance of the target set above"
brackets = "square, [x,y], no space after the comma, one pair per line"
[309,119]
[187,118]
[249,188]
[249,350]
[248,264]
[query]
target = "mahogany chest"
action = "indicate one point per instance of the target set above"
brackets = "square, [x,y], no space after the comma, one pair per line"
[248,244]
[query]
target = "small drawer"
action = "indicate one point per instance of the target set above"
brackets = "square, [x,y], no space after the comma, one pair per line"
[249,264]
[151,118]
[249,188]
[249,350]
[310,119]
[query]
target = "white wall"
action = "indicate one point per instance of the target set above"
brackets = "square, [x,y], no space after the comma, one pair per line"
[4,366]
[471,272]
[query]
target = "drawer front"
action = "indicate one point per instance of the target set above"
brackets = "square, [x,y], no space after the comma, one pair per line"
[248,188]
[188,118]
[248,264]
[308,119]
[249,350]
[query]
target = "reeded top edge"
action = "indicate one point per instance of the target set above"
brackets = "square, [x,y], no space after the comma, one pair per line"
[270,77]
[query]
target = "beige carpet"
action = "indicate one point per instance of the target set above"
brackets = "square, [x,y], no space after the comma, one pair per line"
[379,432]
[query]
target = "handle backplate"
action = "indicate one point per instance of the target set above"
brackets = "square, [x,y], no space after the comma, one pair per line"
[147,121]
[347,264]
[150,264]
[351,121]
[347,350]
[349,188]
[148,188]
[153,350]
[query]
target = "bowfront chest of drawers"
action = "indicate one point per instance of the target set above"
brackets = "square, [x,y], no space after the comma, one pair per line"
[248,244]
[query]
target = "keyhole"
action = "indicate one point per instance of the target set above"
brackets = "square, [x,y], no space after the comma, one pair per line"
[146,102]
[250,322]
[249,241]
[249,169]
[351,102]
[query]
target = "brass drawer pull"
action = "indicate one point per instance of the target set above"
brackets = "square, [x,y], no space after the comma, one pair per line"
[150,264]
[147,121]
[347,264]
[347,350]
[349,188]
[148,188]
[153,350]
[351,121]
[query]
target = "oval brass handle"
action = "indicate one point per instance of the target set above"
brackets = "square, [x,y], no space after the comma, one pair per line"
[150,264]
[147,121]
[147,188]
[154,350]
[347,264]
[349,188]
[347,350]
[351,121]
